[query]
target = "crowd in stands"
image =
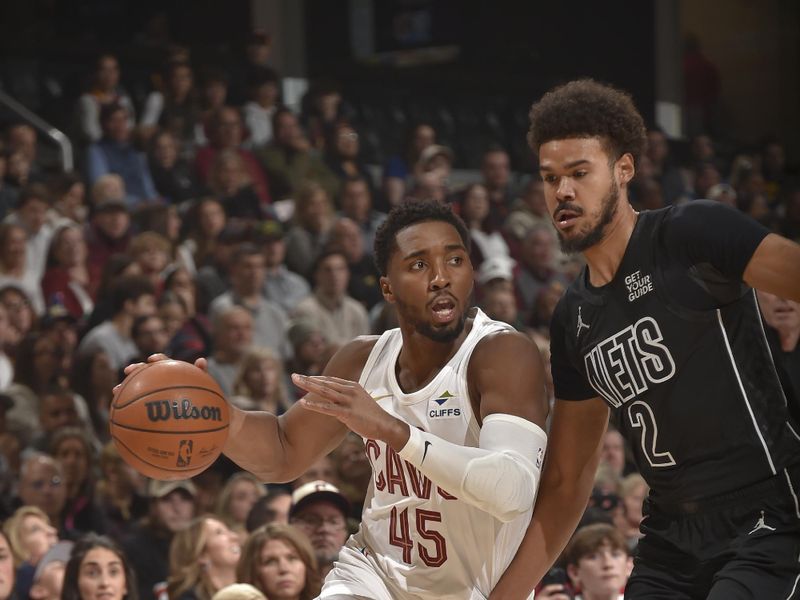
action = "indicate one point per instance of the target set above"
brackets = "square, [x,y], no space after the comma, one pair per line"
[212,221]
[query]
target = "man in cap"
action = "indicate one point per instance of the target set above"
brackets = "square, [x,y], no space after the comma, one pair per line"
[320,511]
[281,285]
[171,510]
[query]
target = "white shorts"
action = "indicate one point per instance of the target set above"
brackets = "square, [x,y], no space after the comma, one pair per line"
[353,576]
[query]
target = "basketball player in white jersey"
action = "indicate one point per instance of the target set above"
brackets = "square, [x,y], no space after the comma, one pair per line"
[451,407]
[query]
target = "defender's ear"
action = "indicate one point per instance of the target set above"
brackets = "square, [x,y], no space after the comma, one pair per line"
[625,168]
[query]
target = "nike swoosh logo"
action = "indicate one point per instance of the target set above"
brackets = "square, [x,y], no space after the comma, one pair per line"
[424,454]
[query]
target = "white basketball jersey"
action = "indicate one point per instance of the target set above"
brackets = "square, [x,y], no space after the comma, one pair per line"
[424,542]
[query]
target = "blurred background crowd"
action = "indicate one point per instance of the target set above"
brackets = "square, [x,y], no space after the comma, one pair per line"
[218,208]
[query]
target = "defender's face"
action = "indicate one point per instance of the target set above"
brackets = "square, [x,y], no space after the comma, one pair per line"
[581,189]
[430,278]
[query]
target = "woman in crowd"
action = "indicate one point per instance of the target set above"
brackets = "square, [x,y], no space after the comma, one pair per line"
[29,535]
[6,569]
[488,242]
[236,499]
[172,174]
[98,569]
[21,316]
[152,252]
[202,560]
[118,493]
[278,560]
[66,276]
[232,185]
[73,450]
[69,194]
[16,267]
[261,383]
[206,222]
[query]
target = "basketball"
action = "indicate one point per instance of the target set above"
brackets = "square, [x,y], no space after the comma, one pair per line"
[169,420]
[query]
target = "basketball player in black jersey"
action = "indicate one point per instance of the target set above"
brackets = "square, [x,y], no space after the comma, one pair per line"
[662,332]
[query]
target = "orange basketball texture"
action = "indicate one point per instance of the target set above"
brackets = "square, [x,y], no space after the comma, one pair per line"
[169,420]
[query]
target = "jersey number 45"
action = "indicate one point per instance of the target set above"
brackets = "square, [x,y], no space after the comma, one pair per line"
[400,536]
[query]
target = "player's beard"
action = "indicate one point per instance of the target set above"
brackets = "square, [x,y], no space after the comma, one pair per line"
[586,240]
[443,335]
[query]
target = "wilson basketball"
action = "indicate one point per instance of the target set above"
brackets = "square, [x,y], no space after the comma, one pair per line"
[169,420]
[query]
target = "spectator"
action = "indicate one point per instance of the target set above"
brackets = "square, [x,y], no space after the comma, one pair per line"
[115,153]
[432,174]
[496,171]
[272,508]
[536,269]
[342,153]
[30,536]
[289,160]
[175,109]
[206,223]
[165,221]
[69,197]
[487,240]
[233,187]
[355,202]
[15,268]
[149,335]
[98,568]
[527,212]
[118,493]
[320,511]
[239,591]
[310,349]
[57,410]
[172,174]
[152,252]
[363,282]
[131,297]
[782,329]
[214,95]
[632,493]
[107,234]
[339,317]
[6,367]
[226,133]
[8,192]
[500,304]
[397,171]
[41,484]
[171,510]
[598,562]
[263,102]
[21,138]
[202,560]
[93,378]
[6,569]
[323,108]
[260,383]
[313,219]
[279,561]
[237,498]
[21,317]
[105,90]
[31,214]
[614,453]
[73,450]
[247,281]
[281,286]
[66,279]
[353,472]
[48,578]
[665,172]
[233,336]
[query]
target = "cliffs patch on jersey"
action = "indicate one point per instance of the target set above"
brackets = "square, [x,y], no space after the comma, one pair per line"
[446,406]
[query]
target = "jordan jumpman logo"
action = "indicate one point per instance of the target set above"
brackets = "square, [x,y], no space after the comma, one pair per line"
[761,524]
[581,324]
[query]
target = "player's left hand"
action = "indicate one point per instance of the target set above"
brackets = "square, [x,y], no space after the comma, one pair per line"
[352,405]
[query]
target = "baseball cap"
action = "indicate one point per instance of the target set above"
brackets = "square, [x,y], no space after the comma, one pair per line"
[269,231]
[159,489]
[434,150]
[495,267]
[109,204]
[314,491]
[58,553]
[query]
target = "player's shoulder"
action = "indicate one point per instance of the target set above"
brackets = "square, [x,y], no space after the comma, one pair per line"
[503,347]
[349,360]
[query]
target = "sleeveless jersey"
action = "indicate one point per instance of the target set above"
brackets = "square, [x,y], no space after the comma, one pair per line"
[422,540]
[675,345]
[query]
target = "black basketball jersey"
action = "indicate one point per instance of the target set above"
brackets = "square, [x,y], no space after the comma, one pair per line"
[676,346]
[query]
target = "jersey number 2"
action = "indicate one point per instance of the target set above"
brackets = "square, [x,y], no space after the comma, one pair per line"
[400,536]
[641,416]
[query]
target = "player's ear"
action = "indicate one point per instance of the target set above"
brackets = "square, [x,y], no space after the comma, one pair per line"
[386,289]
[625,168]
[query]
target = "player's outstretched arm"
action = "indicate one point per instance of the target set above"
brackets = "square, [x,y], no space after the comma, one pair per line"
[775,268]
[501,475]
[573,454]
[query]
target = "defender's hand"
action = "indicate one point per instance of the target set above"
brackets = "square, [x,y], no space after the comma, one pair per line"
[352,405]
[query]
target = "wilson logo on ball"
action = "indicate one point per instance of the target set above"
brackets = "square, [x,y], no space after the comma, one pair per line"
[162,410]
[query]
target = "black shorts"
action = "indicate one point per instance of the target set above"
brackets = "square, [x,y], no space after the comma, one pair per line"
[744,545]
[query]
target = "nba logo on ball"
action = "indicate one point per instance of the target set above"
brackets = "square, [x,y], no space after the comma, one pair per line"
[169,420]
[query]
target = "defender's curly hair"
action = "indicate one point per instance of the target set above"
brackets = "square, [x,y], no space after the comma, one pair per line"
[411,213]
[586,108]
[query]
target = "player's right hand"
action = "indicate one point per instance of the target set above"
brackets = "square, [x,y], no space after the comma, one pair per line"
[200,363]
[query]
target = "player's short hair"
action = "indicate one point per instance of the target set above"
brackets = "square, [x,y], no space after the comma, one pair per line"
[586,108]
[590,538]
[411,213]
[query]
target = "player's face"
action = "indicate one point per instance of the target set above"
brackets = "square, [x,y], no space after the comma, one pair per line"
[430,279]
[581,189]
[603,572]
[281,570]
